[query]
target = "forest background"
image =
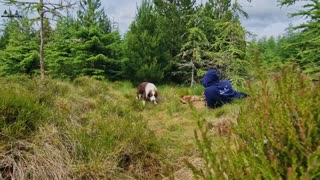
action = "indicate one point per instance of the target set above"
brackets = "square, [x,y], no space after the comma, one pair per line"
[168,42]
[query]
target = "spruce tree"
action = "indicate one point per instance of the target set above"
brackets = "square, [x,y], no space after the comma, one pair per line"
[143,46]
[308,55]
[60,56]
[227,38]
[192,53]
[43,8]
[99,50]
[20,54]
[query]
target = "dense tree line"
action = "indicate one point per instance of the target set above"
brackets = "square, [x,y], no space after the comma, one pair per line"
[168,41]
[300,44]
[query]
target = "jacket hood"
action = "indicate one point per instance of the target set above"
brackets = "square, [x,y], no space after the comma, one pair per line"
[210,78]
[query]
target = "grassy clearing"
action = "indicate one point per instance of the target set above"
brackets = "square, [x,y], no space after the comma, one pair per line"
[89,129]
[95,130]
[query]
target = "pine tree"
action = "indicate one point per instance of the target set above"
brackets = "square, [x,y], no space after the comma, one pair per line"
[173,18]
[5,33]
[191,53]
[61,50]
[42,8]
[91,14]
[143,48]
[20,55]
[227,37]
[308,55]
[99,51]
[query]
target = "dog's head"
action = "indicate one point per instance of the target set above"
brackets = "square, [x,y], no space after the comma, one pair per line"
[153,96]
[151,93]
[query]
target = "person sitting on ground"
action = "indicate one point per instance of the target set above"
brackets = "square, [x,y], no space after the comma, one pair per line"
[218,93]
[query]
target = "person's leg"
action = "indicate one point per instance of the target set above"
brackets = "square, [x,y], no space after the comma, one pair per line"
[243,95]
[214,104]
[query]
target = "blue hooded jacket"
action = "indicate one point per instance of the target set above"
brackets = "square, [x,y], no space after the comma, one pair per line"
[218,92]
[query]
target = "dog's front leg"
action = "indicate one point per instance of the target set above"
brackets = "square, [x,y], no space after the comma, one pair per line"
[138,97]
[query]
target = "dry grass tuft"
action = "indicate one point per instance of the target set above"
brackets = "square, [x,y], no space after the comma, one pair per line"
[46,158]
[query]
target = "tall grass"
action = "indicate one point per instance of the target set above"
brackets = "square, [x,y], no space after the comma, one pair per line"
[85,129]
[276,135]
[20,112]
[89,129]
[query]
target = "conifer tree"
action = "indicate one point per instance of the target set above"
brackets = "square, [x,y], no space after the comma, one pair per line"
[42,8]
[173,18]
[98,51]
[60,54]
[227,38]
[20,55]
[91,13]
[5,33]
[143,46]
[192,52]
[86,45]
[308,55]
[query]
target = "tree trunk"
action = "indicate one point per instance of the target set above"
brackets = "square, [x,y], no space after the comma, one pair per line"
[41,12]
[192,72]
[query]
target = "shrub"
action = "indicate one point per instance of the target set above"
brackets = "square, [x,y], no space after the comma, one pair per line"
[276,135]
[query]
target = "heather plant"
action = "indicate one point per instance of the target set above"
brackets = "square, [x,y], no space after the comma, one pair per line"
[275,136]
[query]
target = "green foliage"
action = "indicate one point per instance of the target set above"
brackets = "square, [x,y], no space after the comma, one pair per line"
[172,24]
[230,47]
[227,39]
[309,41]
[269,49]
[223,46]
[5,36]
[275,52]
[42,8]
[170,29]
[275,135]
[161,32]
[191,54]
[20,55]
[144,61]
[60,51]
[90,50]
[91,14]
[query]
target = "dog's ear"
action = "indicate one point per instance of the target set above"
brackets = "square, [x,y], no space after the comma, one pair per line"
[156,93]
